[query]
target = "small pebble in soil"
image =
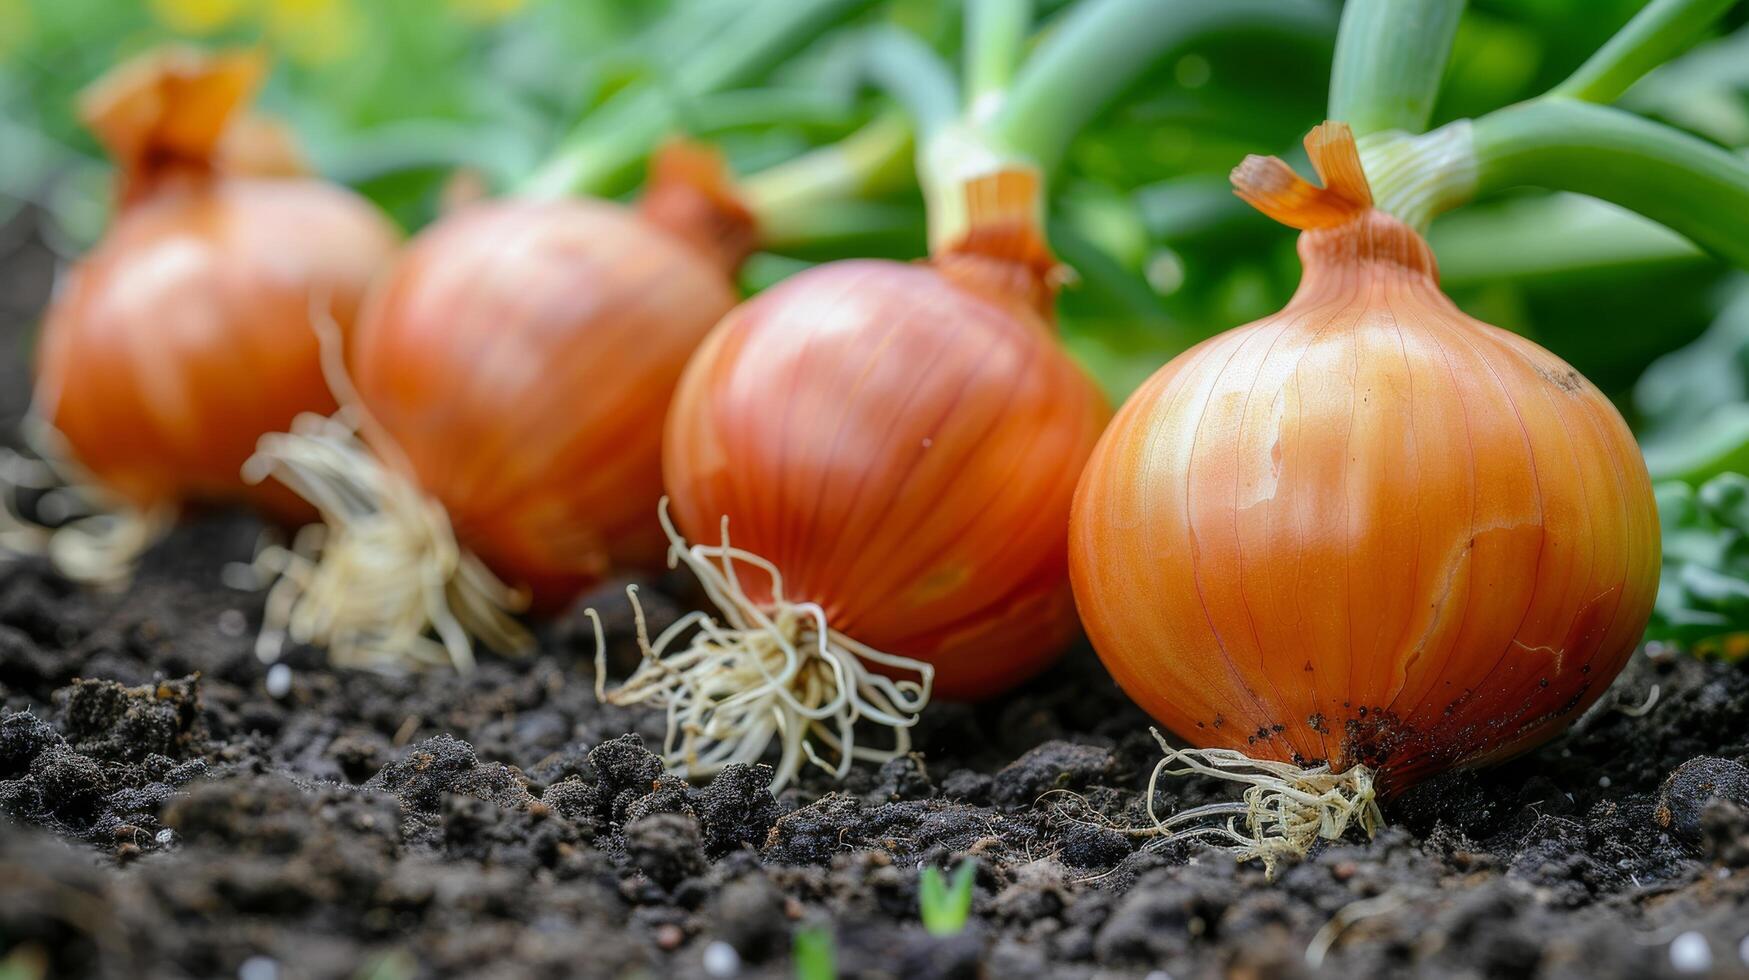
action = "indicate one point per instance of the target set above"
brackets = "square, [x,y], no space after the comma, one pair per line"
[279,678]
[1689,953]
[721,960]
[259,968]
[232,622]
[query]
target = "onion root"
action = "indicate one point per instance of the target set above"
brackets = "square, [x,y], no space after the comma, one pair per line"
[1286,808]
[382,572]
[98,540]
[766,672]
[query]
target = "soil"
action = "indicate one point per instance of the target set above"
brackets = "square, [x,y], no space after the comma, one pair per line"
[170,807]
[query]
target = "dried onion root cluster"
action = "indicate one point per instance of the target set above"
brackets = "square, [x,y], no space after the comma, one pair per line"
[89,535]
[1286,809]
[381,572]
[768,671]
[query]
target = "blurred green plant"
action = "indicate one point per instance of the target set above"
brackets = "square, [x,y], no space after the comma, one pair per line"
[394,964]
[1693,408]
[1703,596]
[389,95]
[814,955]
[945,908]
[1694,402]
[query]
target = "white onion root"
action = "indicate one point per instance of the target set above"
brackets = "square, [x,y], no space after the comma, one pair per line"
[382,572]
[92,538]
[1286,808]
[766,672]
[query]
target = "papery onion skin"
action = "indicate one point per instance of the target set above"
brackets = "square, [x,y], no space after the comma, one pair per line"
[903,447]
[521,356]
[1369,529]
[186,333]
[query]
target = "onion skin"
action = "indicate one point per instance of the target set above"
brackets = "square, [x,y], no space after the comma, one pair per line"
[1368,529]
[520,359]
[186,333]
[902,442]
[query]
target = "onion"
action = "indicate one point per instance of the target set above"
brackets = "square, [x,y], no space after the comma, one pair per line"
[547,337]
[512,372]
[894,448]
[185,334]
[1369,535]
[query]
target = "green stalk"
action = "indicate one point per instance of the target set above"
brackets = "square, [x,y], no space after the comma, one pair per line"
[914,76]
[620,133]
[1390,55]
[996,32]
[1096,50]
[1677,180]
[1660,31]
[748,108]
[1549,236]
[795,201]
[609,142]
[950,149]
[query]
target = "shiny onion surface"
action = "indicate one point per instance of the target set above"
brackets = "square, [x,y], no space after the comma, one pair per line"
[901,442]
[1370,529]
[186,333]
[521,356]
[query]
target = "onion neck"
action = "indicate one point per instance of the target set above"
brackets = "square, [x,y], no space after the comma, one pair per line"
[995,242]
[692,197]
[1373,248]
[1347,243]
[165,116]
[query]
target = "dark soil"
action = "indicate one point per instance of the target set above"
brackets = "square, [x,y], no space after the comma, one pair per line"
[163,814]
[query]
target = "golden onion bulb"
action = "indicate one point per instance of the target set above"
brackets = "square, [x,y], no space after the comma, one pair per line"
[1369,529]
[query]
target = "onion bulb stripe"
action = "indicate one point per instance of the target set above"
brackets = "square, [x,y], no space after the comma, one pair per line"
[1254,718]
[884,583]
[1238,490]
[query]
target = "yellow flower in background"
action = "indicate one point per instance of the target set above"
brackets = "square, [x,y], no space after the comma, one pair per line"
[309,32]
[313,32]
[200,17]
[15,24]
[487,11]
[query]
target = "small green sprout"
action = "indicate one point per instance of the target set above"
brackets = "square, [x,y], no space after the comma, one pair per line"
[813,954]
[946,909]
